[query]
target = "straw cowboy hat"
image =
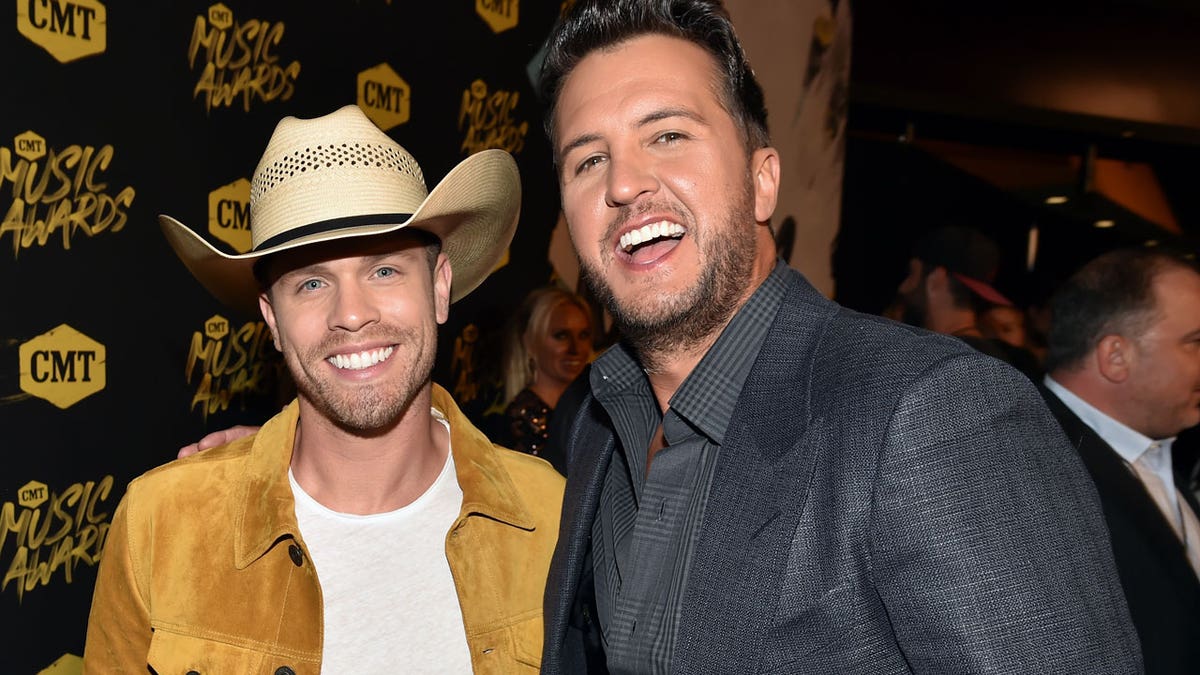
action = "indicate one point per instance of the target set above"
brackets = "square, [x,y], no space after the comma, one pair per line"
[339,176]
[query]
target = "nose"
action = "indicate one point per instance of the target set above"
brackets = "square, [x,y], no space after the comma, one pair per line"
[353,308]
[629,177]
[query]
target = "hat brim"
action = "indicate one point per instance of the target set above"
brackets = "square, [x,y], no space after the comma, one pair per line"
[473,210]
[983,290]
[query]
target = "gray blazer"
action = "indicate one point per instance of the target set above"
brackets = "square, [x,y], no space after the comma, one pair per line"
[887,501]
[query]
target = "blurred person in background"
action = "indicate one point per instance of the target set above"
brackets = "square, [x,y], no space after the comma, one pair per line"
[547,345]
[1123,364]
[949,285]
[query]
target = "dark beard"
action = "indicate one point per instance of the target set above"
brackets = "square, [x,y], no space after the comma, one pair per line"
[707,308]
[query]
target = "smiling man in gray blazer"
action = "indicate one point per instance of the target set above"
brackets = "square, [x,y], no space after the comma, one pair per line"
[761,480]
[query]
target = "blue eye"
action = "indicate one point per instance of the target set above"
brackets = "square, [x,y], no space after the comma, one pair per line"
[310,285]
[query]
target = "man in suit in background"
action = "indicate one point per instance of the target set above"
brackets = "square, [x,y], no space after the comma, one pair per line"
[761,480]
[1123,358]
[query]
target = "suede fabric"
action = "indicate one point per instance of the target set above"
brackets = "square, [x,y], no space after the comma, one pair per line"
[205,571]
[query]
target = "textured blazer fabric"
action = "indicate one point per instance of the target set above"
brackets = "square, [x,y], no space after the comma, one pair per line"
[887,500]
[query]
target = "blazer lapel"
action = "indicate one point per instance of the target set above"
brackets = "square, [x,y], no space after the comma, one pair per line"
[589,452]
[1119,486]
[757,497]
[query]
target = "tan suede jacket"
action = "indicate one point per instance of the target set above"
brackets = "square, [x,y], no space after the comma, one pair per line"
[204,569]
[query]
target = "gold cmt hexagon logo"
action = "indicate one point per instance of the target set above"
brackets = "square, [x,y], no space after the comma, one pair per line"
[229,214]
[500,15]
[220,16]
[216,327]
[67,664]
[62,366]
[384,96]
[68,29]
[32,494]
[30,146]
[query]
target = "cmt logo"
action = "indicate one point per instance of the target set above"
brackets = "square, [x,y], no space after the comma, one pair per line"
[32,494]
[220,16]
[500,15]
[67,664]
[384,96]
[68,29]
[30,146]
[62,366]
[217,327]
[229,214]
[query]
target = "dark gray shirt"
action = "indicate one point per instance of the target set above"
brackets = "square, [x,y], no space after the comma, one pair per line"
[648,524]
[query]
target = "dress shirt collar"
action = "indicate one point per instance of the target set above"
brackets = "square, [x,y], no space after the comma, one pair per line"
[708,395]
[1128,443]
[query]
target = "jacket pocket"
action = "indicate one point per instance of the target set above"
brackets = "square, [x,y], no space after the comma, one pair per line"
[515,648]
[178,654]
[527,642]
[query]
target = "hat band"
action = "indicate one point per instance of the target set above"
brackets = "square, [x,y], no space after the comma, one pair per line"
[331,225]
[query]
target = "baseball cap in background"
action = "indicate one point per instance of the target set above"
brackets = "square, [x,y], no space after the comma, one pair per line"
[968,255]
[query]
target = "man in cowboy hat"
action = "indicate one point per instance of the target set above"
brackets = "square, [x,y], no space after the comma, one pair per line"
[368,527]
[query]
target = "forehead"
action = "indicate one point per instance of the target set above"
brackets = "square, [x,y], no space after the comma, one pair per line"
[352,248]
[629,80]
[567,312]
[1177,293]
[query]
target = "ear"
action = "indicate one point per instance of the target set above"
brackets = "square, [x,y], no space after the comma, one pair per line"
[268,312]
[764,168]
[937,280]
[1114,356]
[442,277]
[910,282]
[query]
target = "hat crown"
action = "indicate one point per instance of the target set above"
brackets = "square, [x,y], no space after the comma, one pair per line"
[331,167]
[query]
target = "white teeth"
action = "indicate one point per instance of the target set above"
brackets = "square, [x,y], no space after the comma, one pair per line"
[662,228]
[360,360]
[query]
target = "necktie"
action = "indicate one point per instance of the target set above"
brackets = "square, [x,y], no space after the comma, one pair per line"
[1177,512]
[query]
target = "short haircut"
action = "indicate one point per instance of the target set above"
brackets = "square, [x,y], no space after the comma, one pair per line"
[592,25]
[1111,295]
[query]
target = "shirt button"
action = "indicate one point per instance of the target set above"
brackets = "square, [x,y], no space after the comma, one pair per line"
[297,558]
[284,670]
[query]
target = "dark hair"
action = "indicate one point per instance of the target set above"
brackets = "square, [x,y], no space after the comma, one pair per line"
[590,25]
[1111,295]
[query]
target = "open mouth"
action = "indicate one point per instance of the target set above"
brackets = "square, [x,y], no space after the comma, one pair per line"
[648,236]
[361,360]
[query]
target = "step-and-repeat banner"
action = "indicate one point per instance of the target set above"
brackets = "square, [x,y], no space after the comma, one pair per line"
[111,355]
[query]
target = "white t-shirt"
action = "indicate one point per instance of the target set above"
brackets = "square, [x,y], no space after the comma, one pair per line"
[390,600]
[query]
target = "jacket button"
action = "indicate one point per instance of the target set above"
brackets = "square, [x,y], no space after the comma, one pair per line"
[284,670]
[298,558]
[193,672]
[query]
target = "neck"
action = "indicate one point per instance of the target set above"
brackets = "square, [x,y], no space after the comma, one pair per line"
[667,370]
[359,474]
[549,392]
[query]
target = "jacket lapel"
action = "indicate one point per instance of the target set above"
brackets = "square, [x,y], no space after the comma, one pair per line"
[757,497]
[590,444]
[1119,487]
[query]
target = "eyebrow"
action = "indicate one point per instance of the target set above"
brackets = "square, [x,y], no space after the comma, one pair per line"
[649,118]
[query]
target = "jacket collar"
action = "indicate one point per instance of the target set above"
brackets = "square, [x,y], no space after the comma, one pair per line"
[266,510]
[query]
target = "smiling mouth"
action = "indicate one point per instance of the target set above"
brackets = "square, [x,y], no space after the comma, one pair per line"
[650,234]
[361,360]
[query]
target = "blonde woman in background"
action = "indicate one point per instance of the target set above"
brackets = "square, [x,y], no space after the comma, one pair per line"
[548,344]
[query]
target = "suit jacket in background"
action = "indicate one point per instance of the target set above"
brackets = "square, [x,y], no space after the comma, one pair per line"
[1162,589]
[887,500]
